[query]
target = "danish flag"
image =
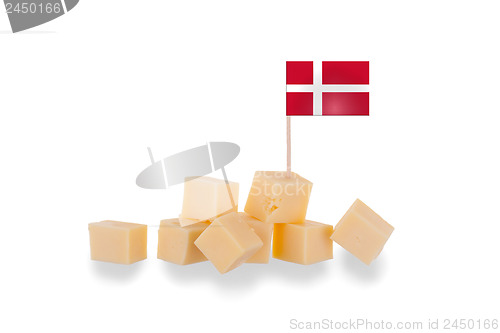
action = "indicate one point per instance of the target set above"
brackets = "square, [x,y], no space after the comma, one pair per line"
[328,88]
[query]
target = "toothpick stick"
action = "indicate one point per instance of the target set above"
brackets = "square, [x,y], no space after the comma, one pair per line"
[288,149]
[228,188]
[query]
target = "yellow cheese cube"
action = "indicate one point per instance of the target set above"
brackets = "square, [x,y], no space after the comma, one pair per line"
[362,232]
[206,198]
[303,243]
[228,242]
[265,233]
[118,242]
[176,243]
[275,198]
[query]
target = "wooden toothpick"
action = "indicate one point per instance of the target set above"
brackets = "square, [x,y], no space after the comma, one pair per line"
[288,149]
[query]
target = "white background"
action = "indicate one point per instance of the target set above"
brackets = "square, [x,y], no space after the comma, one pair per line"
[83,96]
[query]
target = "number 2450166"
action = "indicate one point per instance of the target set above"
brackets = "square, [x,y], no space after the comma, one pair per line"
[33,8]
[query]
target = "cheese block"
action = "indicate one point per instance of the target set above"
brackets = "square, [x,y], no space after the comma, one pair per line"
[228,242]
[176,243]
[265,233]
[362,232]
[118,242]
[206,198]
[276,198]
[303,243]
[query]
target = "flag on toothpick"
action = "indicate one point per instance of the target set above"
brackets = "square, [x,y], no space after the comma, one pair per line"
[328,88]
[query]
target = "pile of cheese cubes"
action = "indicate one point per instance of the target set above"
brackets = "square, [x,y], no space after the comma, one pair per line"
[211,228]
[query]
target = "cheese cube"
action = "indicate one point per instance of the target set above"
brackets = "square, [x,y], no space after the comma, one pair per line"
[265,233]
[228,242]
[362,232]
[303,243]
[275,198]
[176,243]
[118,242]
[206,198]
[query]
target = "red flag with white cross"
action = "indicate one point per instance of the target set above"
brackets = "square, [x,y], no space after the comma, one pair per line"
[327,88]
